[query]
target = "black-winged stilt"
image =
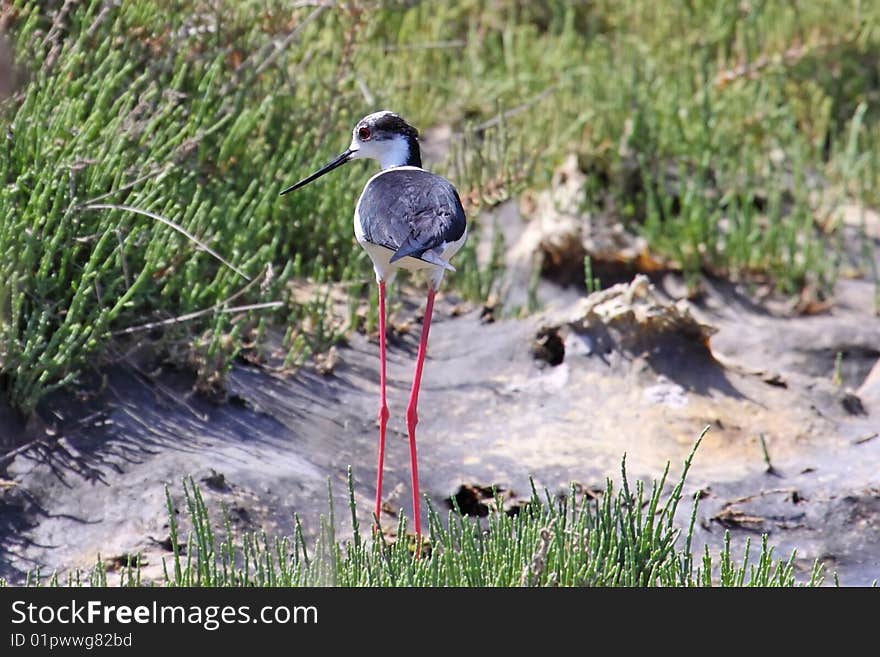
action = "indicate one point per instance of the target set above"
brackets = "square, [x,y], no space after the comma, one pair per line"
[405,218]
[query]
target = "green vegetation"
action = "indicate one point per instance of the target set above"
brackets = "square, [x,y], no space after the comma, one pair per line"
[592,283]
[623,537]
[143,136]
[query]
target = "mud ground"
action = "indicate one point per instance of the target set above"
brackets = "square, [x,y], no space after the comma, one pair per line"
[90,479]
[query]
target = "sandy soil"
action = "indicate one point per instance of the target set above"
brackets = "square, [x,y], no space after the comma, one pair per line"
[634,378]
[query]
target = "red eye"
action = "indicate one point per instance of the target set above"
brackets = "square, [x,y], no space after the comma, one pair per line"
[363,133]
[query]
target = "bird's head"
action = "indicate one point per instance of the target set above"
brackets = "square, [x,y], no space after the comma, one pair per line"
[383,136]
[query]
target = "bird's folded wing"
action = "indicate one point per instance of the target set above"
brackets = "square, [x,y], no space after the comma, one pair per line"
[427,230]
[412,212]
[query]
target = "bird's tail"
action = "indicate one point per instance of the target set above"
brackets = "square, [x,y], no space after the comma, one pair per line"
[434,259]
[427,256]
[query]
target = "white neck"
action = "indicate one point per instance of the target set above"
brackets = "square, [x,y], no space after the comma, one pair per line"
[394,153]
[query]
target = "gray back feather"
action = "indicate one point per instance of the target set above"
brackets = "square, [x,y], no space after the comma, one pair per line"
[411,211]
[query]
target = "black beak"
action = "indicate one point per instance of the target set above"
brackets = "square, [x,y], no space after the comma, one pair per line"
[338,162]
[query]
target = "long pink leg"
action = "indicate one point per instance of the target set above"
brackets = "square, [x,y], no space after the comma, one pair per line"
[383,406]
[412,418]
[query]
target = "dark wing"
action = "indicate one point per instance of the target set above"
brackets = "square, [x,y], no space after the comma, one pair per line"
[411,211]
